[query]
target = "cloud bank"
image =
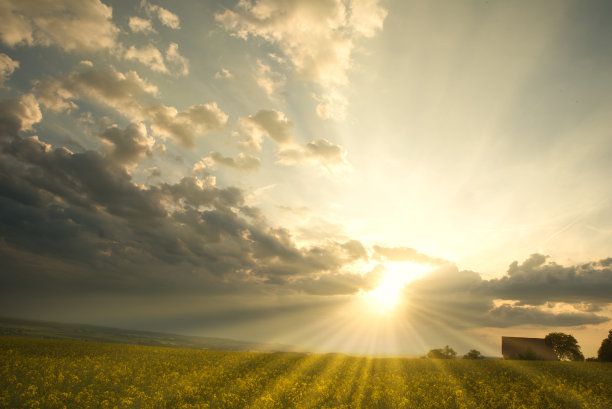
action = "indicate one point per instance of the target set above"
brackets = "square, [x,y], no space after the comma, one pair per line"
[73,25]
[316,37]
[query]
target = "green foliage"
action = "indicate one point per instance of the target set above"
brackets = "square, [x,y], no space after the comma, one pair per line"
[39,373]
[604,353]
[565,346]
[473,354]
[442,353]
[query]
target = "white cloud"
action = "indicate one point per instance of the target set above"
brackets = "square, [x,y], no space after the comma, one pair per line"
[7,67]
[279,128]
[266,122]
[243,161]
[74,25]
[129,95]
[149,56]
[366,17]
[166,17]
[176,61]
[320,151]
[110,87]
[183,126]
[316,36]
[308,32]
[140,25]
[223,74]
[153,58]
[267,79]
[332,104]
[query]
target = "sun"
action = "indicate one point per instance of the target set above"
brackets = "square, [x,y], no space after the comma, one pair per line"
[386,296]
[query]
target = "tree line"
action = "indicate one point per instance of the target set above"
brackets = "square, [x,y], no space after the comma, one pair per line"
[565,347]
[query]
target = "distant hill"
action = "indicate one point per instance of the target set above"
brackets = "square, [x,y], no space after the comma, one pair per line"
[56,330]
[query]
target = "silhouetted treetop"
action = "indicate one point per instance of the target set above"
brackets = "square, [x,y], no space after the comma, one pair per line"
[565,346]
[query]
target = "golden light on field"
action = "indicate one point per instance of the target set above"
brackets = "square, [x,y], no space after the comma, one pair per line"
[386,296]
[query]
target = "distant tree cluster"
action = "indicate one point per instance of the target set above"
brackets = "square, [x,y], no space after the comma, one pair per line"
[449,353]
[473,354]
[442,353]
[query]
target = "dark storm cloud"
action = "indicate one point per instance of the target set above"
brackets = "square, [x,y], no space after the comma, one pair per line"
[508,315]
[130,144]
[78,221]
[17,114]
[527,294]
[535,282]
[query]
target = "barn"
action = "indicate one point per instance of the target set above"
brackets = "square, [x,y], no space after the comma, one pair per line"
[527,348]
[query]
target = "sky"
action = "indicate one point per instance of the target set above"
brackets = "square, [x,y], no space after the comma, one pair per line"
[359,176]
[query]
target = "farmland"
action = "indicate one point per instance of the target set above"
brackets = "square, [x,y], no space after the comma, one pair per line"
[41,373]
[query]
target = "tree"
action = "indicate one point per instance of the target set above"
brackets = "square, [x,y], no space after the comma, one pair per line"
[605,350]
[565,346]
[473,354]
[442,353]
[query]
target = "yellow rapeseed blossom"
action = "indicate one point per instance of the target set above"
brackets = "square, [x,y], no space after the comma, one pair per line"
[39,373]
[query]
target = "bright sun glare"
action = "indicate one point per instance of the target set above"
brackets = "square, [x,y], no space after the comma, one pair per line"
[386,296]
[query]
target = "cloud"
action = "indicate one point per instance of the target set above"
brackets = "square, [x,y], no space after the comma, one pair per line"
[166,17]
[320,151]
[7,67]
[462,299]
[78,222]
[224,74]
[153,58]
[120,91]
[536,282]
[405,254]
[140,25]
[279,128]
[73,25]
[183,126]
[18,114]
[366,17]
[149,56]
[507,315]
[177,62]
[268,80]
[272,123]
[341,283]
[332,104]
[317,37]
[130,95]
[243,161]
[130,144]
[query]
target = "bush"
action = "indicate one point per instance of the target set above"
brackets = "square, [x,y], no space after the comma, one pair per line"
[442,353]
[473,354]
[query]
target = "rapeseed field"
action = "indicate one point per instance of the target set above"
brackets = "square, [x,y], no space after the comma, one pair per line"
[41,373]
